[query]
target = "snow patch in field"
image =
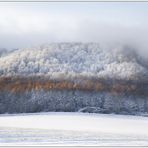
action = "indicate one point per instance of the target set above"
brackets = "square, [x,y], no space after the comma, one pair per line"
[119,124]
[73,129]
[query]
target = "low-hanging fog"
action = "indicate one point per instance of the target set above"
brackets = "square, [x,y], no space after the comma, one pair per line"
[110,24]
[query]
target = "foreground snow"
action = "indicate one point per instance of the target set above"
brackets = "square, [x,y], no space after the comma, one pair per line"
[73,129]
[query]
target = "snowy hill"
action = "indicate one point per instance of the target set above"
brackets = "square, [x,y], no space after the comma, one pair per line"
[73,59]
[74,77]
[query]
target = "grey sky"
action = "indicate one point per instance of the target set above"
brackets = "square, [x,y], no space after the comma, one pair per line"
[30,24]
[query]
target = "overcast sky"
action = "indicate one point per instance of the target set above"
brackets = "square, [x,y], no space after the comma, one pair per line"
[30,24]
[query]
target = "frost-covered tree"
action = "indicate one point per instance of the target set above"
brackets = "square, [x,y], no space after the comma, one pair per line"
[76,58]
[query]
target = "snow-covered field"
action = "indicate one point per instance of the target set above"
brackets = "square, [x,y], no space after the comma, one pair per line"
[73,129]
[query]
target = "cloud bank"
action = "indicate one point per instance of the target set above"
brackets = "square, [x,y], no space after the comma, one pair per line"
[20,28]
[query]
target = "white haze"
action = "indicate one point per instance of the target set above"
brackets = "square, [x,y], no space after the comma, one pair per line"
[23,27]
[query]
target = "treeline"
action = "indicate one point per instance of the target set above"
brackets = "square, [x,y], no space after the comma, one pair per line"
[88,94]
[115,86]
